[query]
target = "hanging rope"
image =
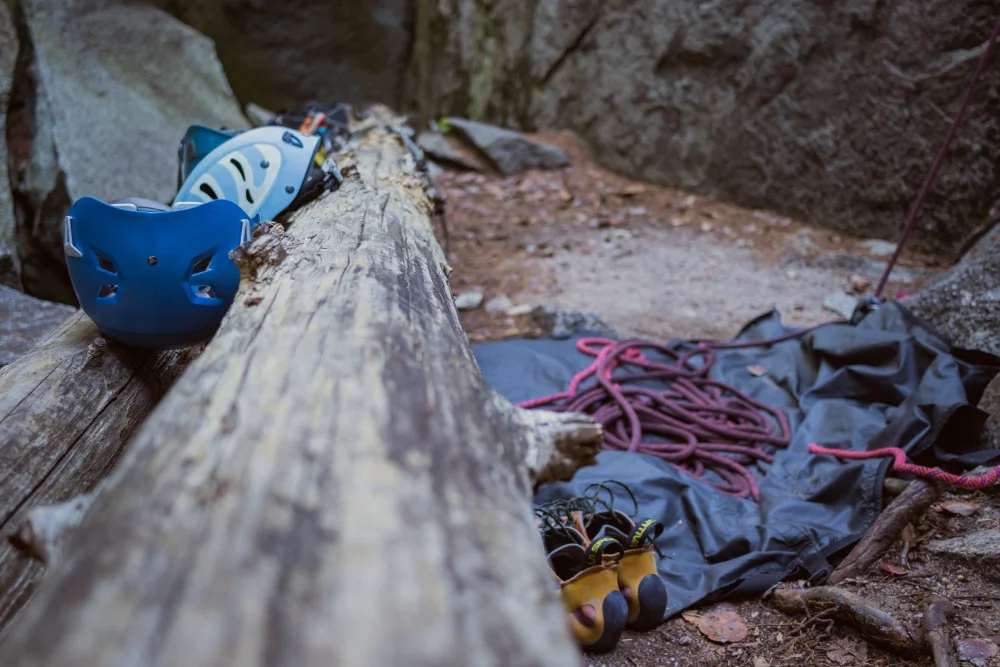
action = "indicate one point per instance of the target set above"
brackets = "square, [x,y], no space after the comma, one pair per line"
[911,219]
[696,424]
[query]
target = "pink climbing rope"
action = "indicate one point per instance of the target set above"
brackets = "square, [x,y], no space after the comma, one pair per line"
[900,464]
[700,425]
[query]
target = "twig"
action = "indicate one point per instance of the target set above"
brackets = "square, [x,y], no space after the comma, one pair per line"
[876,625]
[937,633]
[912,502]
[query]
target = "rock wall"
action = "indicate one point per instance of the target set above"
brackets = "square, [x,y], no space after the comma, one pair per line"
[8,53]
[830,112]
[282,53]
[104,91]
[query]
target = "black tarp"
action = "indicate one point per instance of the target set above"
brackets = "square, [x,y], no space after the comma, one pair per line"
[888,382]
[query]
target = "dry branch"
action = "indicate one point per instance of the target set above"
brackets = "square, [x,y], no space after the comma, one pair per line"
[67,410]
[876,625]
[937,633]
[331,482]
[910,504]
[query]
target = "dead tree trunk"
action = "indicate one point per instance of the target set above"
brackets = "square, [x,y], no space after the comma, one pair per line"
[67,410]
[331,482]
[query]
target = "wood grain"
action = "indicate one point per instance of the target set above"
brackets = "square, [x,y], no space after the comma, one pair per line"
[67,410]
[331,482]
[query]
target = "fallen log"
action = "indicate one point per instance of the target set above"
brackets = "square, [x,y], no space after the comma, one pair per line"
[67,410]
[906,507]
[331,482]
[875,624]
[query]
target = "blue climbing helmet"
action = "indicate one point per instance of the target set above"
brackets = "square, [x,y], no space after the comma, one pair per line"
[199,141]
[263,170]
[153,276]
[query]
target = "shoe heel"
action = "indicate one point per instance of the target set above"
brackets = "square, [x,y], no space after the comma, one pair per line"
[648,601]
[597,587]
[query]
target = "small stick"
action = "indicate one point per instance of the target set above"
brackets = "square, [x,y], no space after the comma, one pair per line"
[911,503]
[937,633]
[876,625]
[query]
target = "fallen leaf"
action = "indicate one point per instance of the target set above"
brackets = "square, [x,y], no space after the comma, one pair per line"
[840,656]
[976,649]
[958,507]
[847,652]
[760,662]
[892,569]
[720,624]
[633,189]
[756,371]
[779,637]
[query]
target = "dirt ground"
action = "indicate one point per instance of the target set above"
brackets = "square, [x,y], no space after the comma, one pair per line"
[664,264]
[651,261]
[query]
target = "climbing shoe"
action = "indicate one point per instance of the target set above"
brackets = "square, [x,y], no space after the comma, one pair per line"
[638,579]
[587,574]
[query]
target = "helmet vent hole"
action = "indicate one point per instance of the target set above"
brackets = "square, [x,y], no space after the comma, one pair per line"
[107,265]
[207,189]
[239,168]
[249,196]
[106,291]
[202,265]
[206,291]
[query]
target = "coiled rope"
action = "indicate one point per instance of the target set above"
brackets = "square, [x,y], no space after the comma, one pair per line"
[700,425]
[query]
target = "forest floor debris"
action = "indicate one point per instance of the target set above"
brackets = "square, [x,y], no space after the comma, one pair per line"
[652,261]
[662,263]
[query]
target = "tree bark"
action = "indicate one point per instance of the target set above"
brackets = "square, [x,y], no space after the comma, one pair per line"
[67,410]
[331,482]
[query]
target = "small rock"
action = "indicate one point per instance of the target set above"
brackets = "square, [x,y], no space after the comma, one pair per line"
[633,189]
[637,211]
[706,227]
[978,549]
[840,303]
[436,145]
[501,303]
[564,324]
[880,248]
[976,651]
[859,283]
[521,309]
[686,203]
[509,151]
[469,300]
